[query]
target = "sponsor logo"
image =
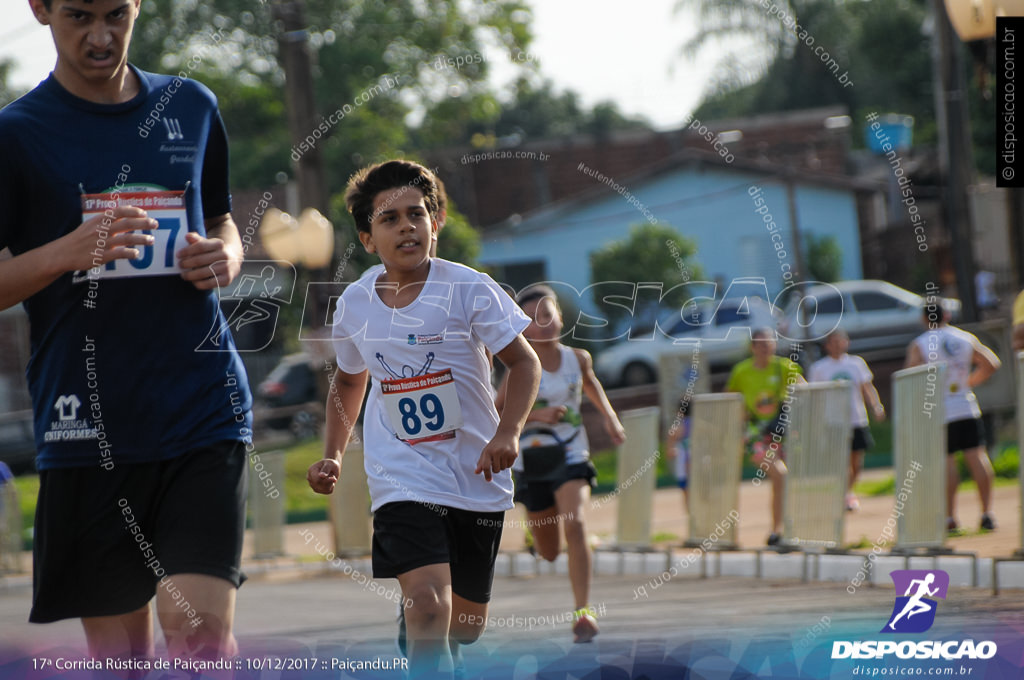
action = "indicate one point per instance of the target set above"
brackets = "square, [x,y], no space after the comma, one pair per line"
[914,612]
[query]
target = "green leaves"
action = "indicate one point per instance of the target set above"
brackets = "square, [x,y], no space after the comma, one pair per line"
[653,253]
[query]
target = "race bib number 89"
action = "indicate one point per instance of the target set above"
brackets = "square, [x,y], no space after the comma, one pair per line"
[168,209]
[423,408]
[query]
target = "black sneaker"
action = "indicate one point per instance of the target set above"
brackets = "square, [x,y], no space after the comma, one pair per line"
[774,538]
[987,523]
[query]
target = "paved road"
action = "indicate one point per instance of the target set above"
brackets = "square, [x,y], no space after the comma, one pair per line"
[711,627]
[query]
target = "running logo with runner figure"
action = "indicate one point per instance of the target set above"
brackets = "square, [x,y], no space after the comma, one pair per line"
[914,611]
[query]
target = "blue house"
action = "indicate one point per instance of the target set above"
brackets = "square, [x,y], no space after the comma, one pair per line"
[739,213]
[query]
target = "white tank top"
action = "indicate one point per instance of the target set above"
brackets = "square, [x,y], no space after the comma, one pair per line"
[563,387]
[956,348]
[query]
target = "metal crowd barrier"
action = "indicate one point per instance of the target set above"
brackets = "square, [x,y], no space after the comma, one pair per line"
[817,450]
[716,450]
[919,458]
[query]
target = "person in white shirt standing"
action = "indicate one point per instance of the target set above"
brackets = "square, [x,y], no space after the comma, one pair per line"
[839,365]
[968,364]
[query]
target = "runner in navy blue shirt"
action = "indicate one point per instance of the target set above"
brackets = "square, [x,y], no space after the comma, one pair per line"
[115,205]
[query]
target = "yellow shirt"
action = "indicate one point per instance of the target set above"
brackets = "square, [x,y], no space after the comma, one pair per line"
[1018,309]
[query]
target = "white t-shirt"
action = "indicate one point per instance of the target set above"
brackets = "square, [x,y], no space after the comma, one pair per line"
[430,410]
[955,347]
[846,367]
[563,387]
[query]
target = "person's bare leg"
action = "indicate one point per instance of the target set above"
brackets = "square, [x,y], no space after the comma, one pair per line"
[570,499]
[856,464]
[123,636]
[981,471]
[196,613]
[952,481]
[543,524]
[469,619]
[428,619]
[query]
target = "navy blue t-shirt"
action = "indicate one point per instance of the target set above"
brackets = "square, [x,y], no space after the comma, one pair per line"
[118,372]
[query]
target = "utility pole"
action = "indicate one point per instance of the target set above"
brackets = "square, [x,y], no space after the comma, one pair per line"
[794,226]
[293,46]
[956,160]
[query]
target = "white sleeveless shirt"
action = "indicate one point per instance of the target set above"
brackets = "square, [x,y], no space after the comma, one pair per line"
[563,387]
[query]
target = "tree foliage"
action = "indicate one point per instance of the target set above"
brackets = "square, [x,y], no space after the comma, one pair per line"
[884,48]
[824,257]
[652,253]
[358,47]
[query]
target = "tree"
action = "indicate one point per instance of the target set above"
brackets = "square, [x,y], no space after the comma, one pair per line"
[652,253]
[359,50]
[881,47]
[824,257]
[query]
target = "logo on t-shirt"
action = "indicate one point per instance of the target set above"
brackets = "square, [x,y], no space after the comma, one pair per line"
[67,405]
[173,127]
[68,426]
[951,346]
[425,339]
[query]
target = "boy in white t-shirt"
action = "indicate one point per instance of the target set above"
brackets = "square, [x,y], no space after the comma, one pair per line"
[437,456]
[968,364]
[839,365]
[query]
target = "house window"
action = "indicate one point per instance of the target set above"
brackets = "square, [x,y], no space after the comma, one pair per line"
[519,275]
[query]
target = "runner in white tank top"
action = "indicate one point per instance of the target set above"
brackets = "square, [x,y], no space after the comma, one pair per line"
[968,364]
[566,374]
[839,365]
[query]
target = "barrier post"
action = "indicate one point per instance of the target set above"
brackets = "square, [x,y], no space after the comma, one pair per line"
[349,508]
[637,473]
[919,457]
[10,528]
[716,451]
[817,448]
[266,497]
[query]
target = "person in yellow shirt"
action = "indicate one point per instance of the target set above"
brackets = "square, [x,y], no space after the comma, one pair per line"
[1018,323]
[766,381]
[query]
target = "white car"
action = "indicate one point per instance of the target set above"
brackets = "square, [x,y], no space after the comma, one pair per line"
[723,329]
[880,318]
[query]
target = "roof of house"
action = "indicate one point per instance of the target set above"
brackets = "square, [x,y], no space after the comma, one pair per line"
[688,158]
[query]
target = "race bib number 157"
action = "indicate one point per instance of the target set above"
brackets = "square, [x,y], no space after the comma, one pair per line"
[168,209]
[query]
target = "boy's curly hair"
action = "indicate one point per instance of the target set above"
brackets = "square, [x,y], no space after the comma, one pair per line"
[366,184]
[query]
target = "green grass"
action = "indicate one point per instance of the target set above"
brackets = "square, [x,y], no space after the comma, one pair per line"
[28,493]
[875,487]
[301,504]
